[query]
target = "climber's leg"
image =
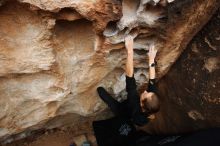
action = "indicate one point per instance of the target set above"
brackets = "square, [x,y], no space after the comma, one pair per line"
[113,104]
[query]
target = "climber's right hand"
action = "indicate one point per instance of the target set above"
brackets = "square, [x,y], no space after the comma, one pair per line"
[152,53]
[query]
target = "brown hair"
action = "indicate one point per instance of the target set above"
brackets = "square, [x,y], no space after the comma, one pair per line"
[152,106]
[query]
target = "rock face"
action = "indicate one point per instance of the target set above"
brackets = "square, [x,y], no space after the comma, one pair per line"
[53,54]
[190,90]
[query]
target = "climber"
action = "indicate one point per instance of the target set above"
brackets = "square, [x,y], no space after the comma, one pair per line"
[137,108]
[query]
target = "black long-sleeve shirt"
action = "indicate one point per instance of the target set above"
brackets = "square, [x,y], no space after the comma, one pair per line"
[133,99]
[151,86]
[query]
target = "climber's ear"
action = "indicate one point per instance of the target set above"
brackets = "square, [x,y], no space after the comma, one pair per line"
[151,117]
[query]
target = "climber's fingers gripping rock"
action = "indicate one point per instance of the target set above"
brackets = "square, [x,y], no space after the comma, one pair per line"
[152,52]
[129,43]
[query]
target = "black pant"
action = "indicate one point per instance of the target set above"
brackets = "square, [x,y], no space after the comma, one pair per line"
[108,132]
[119,109]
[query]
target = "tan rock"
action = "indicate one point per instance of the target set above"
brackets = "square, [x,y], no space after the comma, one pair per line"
[99,11]
[28,100]
[24,45]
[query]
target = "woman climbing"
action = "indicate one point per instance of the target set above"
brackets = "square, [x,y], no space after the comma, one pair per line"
[136,107]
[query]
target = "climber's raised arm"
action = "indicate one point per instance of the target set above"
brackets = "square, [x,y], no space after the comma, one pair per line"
[152,54]
[152,73]
[130,55]
[149,100]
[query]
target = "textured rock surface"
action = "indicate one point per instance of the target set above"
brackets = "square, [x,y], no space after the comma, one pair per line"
[99,11]
[53,54]
[24,45]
